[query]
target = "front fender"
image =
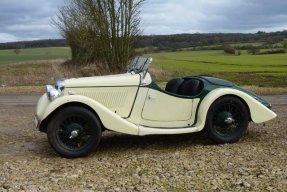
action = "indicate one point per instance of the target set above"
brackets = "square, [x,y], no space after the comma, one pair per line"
[258,112]
[108,118]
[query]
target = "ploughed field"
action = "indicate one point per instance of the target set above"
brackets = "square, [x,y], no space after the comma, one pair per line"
[152,163]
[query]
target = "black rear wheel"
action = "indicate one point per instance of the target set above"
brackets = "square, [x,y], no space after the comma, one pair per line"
[74,132]
[227,120]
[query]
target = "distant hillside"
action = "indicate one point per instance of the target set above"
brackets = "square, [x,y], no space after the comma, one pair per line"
[163,42]
[196,40]
[34,44]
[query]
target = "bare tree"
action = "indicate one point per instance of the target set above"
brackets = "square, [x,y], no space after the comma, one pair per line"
[101,31]
[17,51]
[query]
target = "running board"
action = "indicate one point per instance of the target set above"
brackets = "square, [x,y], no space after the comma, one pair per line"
[166,131]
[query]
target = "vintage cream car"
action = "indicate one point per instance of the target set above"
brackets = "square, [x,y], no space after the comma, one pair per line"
[75,112]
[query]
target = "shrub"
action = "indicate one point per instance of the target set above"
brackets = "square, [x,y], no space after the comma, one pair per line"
[229,50]
[285,43]
[17,51]
[273,51]
[238,53]
[253,50]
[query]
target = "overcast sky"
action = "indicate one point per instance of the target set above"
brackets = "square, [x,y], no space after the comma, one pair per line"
[31,19]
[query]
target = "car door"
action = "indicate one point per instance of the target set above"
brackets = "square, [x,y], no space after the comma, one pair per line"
[160,106]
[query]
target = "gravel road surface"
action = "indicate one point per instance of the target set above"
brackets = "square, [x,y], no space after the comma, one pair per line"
[189,162]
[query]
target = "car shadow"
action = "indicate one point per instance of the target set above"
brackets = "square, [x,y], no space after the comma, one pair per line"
[112,142]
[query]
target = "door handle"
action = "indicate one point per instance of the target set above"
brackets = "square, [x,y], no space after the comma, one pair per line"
[150,97]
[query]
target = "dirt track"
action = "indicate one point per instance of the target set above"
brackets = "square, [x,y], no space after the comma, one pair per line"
[188,162]
[18,100]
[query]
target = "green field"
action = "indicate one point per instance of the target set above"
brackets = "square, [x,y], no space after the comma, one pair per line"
[9,56]
[262,70]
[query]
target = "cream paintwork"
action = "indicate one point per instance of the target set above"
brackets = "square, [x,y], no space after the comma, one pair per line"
[118,99]
[160,131]
[136,116]
[135,124]
[126,79]
[258,112]
[166,108]
[109,119]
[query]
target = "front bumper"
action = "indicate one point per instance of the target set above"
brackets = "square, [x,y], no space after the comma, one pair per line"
[41,108]
[36,122]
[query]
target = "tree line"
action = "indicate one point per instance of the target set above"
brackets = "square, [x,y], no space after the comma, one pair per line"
[198,40]
[34,44]
[168,42]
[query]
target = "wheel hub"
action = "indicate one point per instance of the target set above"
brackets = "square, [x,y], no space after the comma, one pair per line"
[224,119]
[74,134]
[75,130]
[229,120]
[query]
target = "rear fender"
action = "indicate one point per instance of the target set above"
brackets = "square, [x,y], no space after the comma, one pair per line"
[258,112]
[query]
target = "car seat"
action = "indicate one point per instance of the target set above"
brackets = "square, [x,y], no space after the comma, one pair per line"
[173,85]
[190,87]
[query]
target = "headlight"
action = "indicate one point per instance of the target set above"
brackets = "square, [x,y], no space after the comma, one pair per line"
[60,85]
[52,92]
[55,91]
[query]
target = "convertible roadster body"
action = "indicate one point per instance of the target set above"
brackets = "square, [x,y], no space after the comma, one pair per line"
[74,112]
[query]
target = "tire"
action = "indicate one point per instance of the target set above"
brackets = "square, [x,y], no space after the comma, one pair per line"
[74,132]
[227,120]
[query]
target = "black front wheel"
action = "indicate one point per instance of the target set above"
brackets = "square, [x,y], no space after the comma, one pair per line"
[227,120]
[74,132]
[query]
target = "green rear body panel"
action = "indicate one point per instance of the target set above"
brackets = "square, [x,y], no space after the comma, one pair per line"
[210,83]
